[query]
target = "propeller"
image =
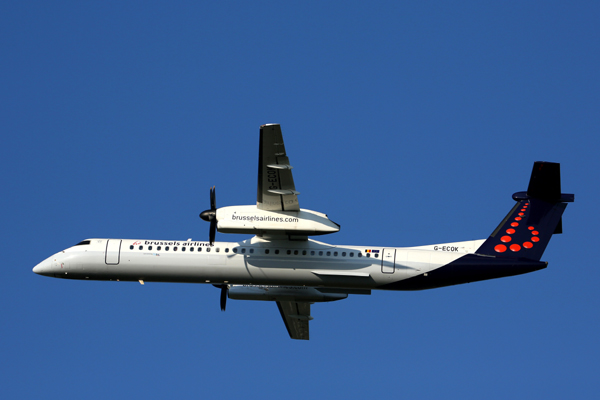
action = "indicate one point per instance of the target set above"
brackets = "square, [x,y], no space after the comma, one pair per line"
[211,216]
[224,294]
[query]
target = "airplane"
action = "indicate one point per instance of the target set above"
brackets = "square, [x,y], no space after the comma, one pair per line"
[281,263]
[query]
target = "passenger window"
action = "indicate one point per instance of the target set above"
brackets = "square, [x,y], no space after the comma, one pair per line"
[277,251]
[141,247]
[312,253]
[191,249]
[199,249]
[328,253]
[149,247]
[175,248]
[266,251]
[131,247]
[166,248]
[295,252]
[376,255]
[251,251]
[217,249]
[359,255]
[289,252]
[368,254]
[320,253]
[344,254]
[335,253]
[158,248]
[303,252]
[243,250]
[183,249]
[351,254]
[227,250]
[208,249]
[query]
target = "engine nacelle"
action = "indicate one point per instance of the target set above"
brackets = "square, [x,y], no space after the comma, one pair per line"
[250,219]
[282,293]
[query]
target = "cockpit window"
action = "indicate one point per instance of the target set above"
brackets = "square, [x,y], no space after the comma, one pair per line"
[83,242]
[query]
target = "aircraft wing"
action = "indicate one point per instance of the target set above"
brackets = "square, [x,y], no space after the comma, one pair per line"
[276,190]
[295,316]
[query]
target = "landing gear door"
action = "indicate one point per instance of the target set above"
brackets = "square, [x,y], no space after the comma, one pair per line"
[113,251]
[388,260]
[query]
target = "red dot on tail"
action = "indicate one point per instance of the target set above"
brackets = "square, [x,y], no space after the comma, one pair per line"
[510,231]
[506,239]
[535,239]
[535,233]
[515,247]
[531,228]
[518,219]
[514,224]
[500,248]
[528,245]
[521,214]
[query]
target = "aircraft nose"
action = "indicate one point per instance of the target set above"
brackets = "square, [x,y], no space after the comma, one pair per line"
[43,267]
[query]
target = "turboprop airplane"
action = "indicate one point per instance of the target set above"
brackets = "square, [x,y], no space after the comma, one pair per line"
[281,264]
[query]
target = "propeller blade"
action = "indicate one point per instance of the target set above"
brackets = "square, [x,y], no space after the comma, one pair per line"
[211,216]
[213,199]
[224,293]
[213,231]
[224,290]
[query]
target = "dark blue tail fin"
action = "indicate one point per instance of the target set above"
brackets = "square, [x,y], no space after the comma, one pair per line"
[528,227]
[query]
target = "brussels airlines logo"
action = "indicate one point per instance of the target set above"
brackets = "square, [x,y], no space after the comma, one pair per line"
[262,218]
[174,243]
[515,227]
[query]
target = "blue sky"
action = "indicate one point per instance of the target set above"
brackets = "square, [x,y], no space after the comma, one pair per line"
[407,123]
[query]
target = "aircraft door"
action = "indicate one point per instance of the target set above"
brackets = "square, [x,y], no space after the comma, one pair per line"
[113,251]
[388,260]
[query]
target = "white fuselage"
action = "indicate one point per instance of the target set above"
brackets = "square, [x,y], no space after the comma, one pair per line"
[253,262]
